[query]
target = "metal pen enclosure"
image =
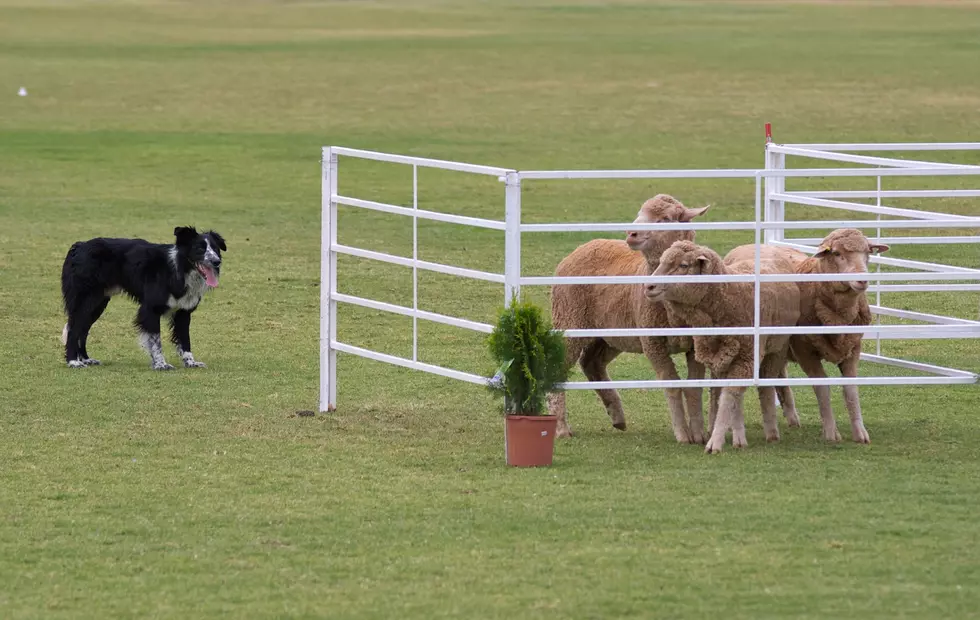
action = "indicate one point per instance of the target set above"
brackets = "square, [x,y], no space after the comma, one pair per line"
[770,226]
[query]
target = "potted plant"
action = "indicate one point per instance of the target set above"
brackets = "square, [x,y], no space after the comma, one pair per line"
[531,361]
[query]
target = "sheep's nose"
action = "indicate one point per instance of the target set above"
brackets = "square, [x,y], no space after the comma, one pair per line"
[650,290]
[859,285]
[632,235]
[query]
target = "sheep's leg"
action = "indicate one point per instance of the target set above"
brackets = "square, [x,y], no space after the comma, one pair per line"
[694,398]
[787,401]
[714,395]
[811,365]
[594,361]
[771,366]
[848,368]
[729,416]
[767,402]
[663,365]
[556,401]
[737,416]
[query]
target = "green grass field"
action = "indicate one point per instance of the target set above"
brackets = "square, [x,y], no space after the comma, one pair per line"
[200,494]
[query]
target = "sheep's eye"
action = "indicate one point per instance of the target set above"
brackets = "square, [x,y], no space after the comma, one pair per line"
[667,220]
[684,265]
[835,253]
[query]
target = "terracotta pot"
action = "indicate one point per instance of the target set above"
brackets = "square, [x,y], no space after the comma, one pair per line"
[529,440]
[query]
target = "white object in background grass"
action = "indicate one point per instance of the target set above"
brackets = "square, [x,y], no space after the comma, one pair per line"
[22,92]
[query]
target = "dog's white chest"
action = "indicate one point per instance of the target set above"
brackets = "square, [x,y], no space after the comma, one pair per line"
[196,287]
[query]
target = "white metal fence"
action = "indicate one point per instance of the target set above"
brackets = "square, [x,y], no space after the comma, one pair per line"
[769,224]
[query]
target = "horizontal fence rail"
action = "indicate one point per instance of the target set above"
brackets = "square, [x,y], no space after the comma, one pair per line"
[856,206]
[421,264]
[765,382]
[769,219]
[955,222]
[748,278]
[893,193]
[891,146]
[407,363]
[815,241]
[421,161]
[858,159]
[421,213]
[937,331]
[954,170]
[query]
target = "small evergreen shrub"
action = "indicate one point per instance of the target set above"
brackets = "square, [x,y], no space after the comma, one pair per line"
[530,358]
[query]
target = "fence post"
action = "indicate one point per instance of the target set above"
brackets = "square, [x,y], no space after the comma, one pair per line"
[328,281]
[756,286]
[775,210]
[415,263]
[512,241]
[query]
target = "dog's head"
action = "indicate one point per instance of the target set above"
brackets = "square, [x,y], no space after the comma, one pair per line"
[200,252]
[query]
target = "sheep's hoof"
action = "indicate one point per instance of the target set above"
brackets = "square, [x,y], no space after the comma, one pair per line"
[772,436]
[620,425]
[860,435]
[714,446]
[697,437]
[792,419]
[683,437]
[831,435]
[564,432]
[738,440]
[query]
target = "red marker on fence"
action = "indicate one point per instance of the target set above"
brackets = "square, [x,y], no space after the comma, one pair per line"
[768,133]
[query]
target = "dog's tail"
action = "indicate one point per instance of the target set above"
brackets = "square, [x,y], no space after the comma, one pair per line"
[64,335]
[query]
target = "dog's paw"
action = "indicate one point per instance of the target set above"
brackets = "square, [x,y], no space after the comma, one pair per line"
[194,364]
[76,364]
[91,362]
[162,366]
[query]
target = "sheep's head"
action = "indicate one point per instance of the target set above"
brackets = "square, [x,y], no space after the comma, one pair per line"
[846,250]
[661,209]
[684,258]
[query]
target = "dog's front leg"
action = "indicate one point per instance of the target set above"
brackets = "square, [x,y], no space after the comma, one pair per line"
[180,333]
[148,323]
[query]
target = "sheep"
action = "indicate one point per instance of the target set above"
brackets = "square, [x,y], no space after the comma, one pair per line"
[845,250]
[729,304]
[599,306]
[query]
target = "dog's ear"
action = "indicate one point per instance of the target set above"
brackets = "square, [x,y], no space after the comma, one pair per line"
[185,234]
[219,240]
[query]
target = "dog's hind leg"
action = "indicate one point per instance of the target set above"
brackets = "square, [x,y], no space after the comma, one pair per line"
[83,334]
[70,336]
[148,322]
[81,314]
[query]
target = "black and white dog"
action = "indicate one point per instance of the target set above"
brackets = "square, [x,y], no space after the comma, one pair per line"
[161,278]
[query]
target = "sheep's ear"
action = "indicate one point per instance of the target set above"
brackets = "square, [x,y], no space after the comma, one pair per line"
[878,248]
[690,214]
[704,264]
[822,251]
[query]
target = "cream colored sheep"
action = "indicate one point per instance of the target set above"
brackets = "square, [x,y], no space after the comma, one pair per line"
[845,250]
[606,306]
[729,304]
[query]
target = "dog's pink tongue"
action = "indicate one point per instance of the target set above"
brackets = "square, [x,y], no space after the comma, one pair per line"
[209,276]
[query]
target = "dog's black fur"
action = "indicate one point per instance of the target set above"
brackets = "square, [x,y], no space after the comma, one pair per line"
[161,278]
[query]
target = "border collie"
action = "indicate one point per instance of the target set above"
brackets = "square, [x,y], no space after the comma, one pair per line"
[162,279]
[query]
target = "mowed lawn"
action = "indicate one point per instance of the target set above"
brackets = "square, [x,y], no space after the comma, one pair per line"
[200,493]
